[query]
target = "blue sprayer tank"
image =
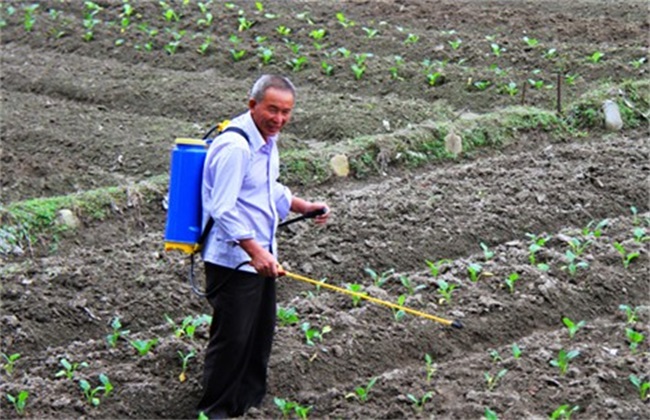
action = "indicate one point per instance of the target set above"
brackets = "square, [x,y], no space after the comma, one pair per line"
[183,228]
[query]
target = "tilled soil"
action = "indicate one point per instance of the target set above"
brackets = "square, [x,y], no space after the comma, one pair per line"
[81,115]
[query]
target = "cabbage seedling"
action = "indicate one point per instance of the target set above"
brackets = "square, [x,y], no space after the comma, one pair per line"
[537,244]
[564,412]
[563,360]
[638,62]
[531,42]
[287,316]
[572,326]
[627,257]
[418,403]
[283,30]
[244,24]
[510,281]
[516,351]
[490,415]
[474,270]
[312,334]
[379,279]
[573,263]
[185,358]
[630,313]
[19,402]
[445,290]
[492,381]
[302,411]
[411,39]
[640,235]
[361,393]
[203,48]
[91,393]
[455,44]
[482,84]
[595,57]
[358,71]
[370,32]
[496,49]
[327,68]
[112,338]
[399,314]
[285,406]
[635,338]
[642,386]
[399,61]
[410,287]
[570,79]
[8,366]
[358,289]
[144,346]
[597,231]
[297,63]
[29,18]
[577,246]
[496,357]
[266,54]
[434,267]
[318,34]
[431,368]
[69,369]
[344,21]
[510,89]
[487,254]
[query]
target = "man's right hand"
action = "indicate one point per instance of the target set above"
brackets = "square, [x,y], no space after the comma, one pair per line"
[261,260]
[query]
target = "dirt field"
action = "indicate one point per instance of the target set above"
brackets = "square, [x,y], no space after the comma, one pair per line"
[91,107]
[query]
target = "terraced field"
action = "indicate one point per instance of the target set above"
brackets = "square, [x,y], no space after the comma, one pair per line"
[540,222]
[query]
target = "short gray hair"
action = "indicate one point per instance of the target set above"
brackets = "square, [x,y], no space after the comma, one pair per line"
[267,81]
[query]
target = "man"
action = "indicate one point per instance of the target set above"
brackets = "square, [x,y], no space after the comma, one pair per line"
[241,193]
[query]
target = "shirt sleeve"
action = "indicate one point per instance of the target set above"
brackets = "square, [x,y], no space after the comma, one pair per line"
[282,197]
[227,170]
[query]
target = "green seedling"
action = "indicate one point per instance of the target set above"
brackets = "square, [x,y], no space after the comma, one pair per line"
[318,34]
[487,254]
[117,333]
[640,235]
[202,416]
[69,368]
[344,52]
[358,289]
[399,314]
[630,313]
[207,18]
[358,71]
[173,45]
[188,326]
[283,30]
[435,78]
[536,84]
[287,316]
[302,411]
[394,70]
[531,42]
[570,79]
[635,338]
[89,23]
[434,267]
[627,257]
[261,39]
[536,245]
[327,68]
[431,368]
[492,381]
[591,231]
[362,393]
[455,44]
[29,18]
[636,64]
[511,280]
[10,362]
[205,45]
[572,327]
[91,394]
[266,55]
[19,402]
[144,346]
[563,360]
[168,13]
[445,290]
[564,412]
[418,403]
[642,386]
[481,84]
[496,49]
[297,63]
[635,215]
[410,287]
[475,271]
[516,351]
[411,39]
[490,415]
[312,334]
[370,32]
[596,57]
[550,53]
[509,89]
[185,358]
[577,246]
[343,20]
[573,263]
[285,406]
[496,357]
[259,6]
[244,24]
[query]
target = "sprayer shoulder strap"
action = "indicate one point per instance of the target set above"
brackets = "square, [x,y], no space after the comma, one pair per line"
[210,223]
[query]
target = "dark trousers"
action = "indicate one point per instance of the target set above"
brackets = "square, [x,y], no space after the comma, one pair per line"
[241,335]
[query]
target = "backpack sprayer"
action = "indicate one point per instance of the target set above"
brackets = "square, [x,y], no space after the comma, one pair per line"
[183,230]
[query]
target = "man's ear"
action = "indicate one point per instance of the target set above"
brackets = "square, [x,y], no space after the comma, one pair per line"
[251,103]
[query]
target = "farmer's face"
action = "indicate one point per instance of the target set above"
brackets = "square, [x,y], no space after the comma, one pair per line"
[273,112]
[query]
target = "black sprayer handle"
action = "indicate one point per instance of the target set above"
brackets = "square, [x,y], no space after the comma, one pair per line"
[308,215]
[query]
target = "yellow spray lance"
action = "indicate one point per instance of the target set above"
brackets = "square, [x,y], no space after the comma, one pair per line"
[455,323]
